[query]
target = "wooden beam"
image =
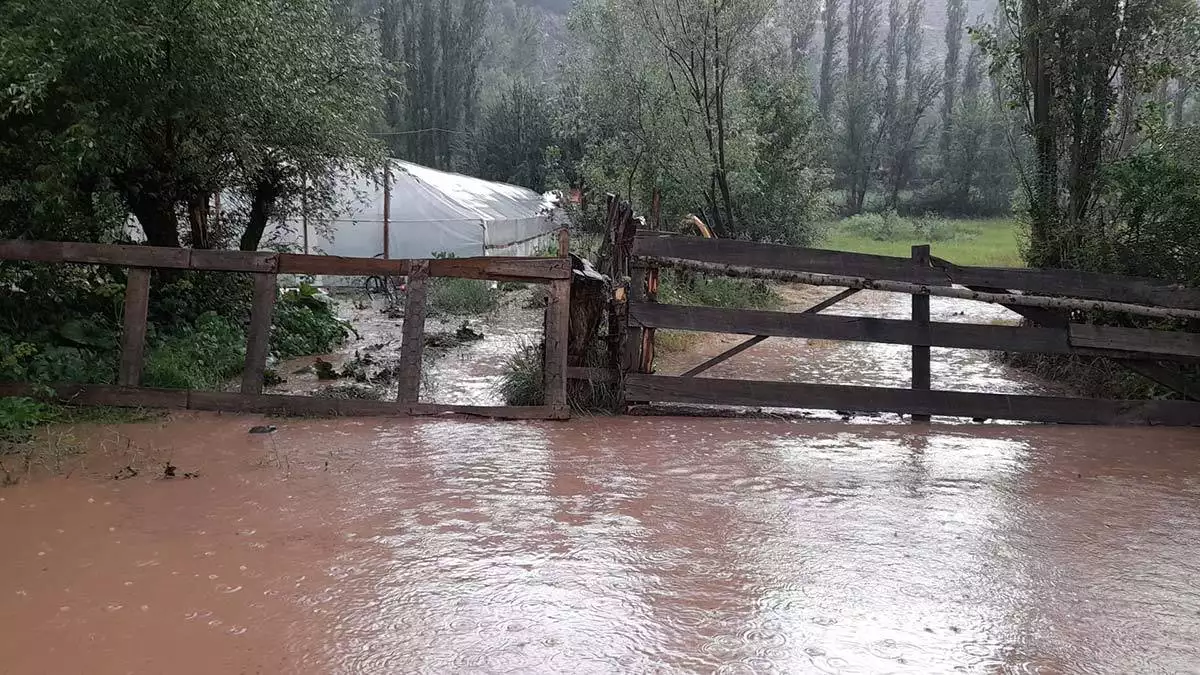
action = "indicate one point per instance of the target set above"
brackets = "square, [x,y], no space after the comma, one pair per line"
[268,404]
[1088,340]
[738,349]
[133,327]
[1048,318]
[104,394]
[233,261]
[1006,299]
[1074,283]
[332,265]
[95,254]
[730,252]
[558,323]
[486,267]
[1167,343]
[1169,377]
[851,328]
[502,269]
[921,362]
[708,391]
[412,346]
[258,337]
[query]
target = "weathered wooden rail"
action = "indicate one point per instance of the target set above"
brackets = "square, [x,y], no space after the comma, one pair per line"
[555,272]
[1048,299]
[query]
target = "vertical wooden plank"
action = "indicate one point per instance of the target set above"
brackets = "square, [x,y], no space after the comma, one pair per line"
[133,330]
[921,376]
[412,348]
[636,335]
[558,323]
[564,243]
[258,338]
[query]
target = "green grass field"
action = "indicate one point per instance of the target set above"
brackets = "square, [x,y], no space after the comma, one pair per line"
[992,243]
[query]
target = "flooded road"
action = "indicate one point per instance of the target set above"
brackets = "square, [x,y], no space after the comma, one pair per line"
[606,546]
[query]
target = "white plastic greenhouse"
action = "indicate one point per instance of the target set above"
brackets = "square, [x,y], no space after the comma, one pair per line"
[423,212]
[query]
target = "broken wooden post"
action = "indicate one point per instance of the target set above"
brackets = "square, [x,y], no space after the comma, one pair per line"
[133,328]
[412,345]
[258,338]
[921,367]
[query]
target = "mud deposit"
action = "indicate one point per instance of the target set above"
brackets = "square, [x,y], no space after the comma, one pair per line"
[606,546]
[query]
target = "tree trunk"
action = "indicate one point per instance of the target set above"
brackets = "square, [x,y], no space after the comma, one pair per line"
[1043,206]
[157,218]
[263,206]
[198,221]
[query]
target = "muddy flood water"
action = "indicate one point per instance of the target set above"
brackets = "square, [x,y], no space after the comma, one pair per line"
[606,546]
[623,545]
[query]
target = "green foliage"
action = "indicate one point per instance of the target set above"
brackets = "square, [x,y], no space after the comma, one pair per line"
[19,415]
[305,323]
[684,288]
[160,105]
[522,382]
[459,297]
[514,135]
[202,356]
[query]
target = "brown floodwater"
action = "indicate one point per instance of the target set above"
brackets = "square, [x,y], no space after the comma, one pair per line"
[606,546]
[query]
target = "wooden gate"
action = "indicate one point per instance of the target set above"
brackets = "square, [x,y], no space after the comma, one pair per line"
[1046,298]
[140,260]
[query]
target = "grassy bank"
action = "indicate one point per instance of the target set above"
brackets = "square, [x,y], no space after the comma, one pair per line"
[993,243]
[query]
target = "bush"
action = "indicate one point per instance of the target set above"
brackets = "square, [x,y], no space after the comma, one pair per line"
[686,288]
[458,297]
[202,356]
[522,382]
[18,416]
[305,323]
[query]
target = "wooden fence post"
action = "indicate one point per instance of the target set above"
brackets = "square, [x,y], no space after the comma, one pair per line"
[564,243]
[412,348]
[635,334]
[258,338]
[921,366]
[133,329]
[558,324]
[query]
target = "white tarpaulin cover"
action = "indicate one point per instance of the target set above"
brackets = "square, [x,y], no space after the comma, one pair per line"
[435,212]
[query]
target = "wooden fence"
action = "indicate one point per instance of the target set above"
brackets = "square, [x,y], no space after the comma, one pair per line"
[1046,298]
[265,267]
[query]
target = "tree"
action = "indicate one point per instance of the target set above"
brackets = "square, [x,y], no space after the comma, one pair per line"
[861,115]
[644,118]
[1069,66]
[831,18]
[191,100]
[701,40]
[906,138]
[438,47]
[514,135]
[956,17]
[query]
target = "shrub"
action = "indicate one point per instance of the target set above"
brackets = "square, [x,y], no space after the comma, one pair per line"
[522,382]
[458,297]
[201,356]
[305,323]
[685,288]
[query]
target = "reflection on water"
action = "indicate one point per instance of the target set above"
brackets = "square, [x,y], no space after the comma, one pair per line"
[610,546]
